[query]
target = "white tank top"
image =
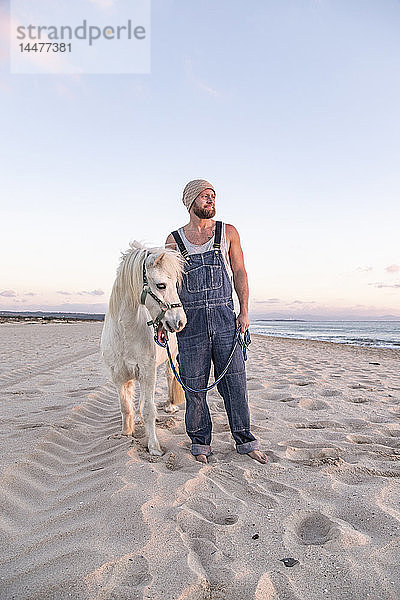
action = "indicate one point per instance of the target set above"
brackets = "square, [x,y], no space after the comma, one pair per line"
[193,249]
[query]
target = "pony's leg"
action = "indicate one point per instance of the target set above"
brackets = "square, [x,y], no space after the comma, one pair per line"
[138,410]
[127,407]
[176,394]
[149,411]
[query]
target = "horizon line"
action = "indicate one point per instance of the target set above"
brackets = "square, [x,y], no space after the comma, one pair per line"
[297,318]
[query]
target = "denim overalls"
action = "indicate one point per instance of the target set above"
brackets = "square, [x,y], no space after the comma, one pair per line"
[206,295]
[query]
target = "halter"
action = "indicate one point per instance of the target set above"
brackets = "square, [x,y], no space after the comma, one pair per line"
[163,305]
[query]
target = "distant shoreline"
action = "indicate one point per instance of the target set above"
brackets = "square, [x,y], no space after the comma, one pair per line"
[277,320]
[67,317]
[38,317]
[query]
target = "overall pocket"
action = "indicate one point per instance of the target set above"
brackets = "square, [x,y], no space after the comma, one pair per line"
[204,278]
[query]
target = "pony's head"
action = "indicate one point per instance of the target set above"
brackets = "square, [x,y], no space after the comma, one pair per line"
[163,268]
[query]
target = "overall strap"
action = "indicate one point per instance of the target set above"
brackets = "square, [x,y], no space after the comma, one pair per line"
[180,244]
[217,237]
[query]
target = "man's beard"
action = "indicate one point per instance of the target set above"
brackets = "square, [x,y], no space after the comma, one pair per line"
[204,213]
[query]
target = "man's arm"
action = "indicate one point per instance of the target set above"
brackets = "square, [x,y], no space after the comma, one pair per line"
[240,280]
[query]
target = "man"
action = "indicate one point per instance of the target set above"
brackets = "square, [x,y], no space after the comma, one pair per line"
[213,256]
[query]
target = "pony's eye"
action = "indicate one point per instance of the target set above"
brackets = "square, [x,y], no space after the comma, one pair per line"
[161,286]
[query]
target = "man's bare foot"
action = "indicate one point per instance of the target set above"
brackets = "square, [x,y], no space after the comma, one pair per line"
[201,458]
[258,456]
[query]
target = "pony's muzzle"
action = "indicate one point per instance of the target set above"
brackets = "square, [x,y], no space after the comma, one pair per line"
[175,320]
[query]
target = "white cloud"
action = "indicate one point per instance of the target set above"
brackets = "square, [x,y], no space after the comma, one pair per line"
[392,269]
[92,293]
[97,292]
[385,285]
[202,85]
[103,4]
[8,293]
[269,301]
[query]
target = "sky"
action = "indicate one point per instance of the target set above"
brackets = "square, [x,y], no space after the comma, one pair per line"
[290,108]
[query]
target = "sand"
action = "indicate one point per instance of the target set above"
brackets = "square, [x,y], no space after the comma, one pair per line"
[87,516]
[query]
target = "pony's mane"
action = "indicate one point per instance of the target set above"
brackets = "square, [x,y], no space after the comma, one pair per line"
[129,280]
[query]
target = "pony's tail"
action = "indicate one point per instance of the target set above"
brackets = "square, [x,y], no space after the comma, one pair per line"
[177,395]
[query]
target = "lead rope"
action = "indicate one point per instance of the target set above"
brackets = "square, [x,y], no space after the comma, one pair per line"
[244,343]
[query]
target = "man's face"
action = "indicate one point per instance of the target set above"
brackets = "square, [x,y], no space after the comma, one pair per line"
[204,205]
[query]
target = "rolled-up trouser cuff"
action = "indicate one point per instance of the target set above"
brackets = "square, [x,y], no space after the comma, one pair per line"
[197,449]
[247,447]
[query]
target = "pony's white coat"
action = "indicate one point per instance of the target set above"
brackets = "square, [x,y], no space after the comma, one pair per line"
[127,343]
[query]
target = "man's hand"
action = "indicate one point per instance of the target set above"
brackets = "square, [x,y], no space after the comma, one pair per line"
[162,334]
[243,320]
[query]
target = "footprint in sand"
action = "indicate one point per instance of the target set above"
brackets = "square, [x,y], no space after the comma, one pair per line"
[171,462]
[300,451]
[200,537]
[280,396]
[167,422]
[209,511]
[277,490]
[312,404]
[136,573]
[174,462]
[316,529]
[319,425]
[194,526]
[358,400]
[273,586]
[240,486]
[124,579]
[328,393]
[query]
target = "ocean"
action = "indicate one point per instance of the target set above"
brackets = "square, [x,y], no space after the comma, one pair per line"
[374,334]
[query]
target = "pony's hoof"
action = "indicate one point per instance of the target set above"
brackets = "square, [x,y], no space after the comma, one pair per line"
[155,452]
[170,408]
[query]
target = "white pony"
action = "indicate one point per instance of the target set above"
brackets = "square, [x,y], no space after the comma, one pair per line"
[144,290]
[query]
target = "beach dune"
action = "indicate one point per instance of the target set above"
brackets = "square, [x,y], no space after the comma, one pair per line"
[84,515]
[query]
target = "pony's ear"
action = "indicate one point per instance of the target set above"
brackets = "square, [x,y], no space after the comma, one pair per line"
[159,258]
